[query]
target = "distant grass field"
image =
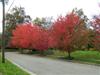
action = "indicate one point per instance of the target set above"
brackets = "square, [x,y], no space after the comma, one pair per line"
[80,56]
[10,69]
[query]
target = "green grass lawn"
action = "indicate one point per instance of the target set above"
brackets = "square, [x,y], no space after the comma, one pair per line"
[10,69]
[79,56]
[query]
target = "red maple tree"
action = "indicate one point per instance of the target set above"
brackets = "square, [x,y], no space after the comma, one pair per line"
[63,30]
[21,36]
[39,38]
[29,36]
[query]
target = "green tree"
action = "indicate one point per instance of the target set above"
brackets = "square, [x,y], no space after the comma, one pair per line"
[43,22]
[38,21]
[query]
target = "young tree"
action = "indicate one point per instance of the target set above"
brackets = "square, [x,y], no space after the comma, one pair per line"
[70,32]
[63,31]
[21,36]
[30,37]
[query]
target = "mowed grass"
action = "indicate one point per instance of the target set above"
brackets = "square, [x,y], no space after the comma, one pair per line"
[8,68]
[79,56]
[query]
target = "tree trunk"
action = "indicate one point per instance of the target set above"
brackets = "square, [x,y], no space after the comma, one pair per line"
[21,50]
[69,55]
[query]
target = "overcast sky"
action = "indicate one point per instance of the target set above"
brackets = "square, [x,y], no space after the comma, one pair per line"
[45,8]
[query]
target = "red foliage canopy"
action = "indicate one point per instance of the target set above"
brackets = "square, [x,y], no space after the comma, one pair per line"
[28,36]
[63,30]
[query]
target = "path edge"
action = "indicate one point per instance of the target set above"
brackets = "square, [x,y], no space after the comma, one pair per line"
[31,73]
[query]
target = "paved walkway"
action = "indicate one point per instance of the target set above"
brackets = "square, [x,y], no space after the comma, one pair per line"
[44,66]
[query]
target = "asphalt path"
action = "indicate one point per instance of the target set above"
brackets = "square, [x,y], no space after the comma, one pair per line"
[45,66]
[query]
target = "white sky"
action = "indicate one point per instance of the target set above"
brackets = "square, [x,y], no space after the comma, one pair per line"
[44,8]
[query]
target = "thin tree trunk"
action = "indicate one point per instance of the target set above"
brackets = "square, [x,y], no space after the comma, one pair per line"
[69,55]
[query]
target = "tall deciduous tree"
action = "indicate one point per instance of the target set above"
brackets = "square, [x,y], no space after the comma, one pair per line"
[44,22]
